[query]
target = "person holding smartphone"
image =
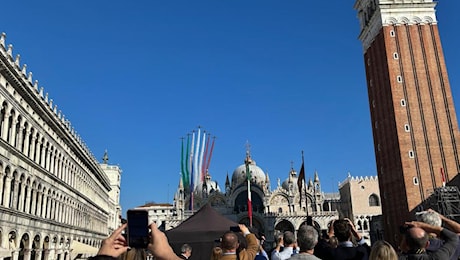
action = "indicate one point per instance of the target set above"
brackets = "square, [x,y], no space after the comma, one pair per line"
[230,244]
[116,244]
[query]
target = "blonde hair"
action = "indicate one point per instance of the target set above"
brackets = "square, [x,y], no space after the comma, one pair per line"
[216,253]
[133,254]
[382,250]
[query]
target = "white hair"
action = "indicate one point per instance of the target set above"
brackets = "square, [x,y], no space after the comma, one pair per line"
[429,217]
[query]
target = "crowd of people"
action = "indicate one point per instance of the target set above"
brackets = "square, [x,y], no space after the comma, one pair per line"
[430,236]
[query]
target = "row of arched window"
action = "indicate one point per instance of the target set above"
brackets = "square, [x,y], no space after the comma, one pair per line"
[42,246]
[51,154]
[27,194]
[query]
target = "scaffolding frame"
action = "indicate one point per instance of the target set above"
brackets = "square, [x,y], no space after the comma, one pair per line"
[446,201]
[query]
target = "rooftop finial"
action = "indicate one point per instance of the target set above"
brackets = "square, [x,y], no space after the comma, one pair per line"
[10,50]
[248,152]
[2,39]
[105,159]
[17,61]
[248,149]
[24,69]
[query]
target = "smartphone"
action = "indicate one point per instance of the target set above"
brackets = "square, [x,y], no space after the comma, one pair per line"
[235,228]
[138,228]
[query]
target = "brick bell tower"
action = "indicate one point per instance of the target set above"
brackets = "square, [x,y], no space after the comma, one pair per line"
[415,129]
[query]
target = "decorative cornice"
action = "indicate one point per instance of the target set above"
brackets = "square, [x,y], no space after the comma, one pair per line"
[375,14]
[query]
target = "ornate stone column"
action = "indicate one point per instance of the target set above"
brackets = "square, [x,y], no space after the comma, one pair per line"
[39,204]
[32,147]
[38,254]
[37,151]
[43,153]
[15,255]
[48,159]
[51,162]
[20,137]
[26,142]
[28,197]
[5,122]
[20,203]
[7,191]
[13,132]
[33,207]
[44,205]
[27,254]
[14,199]
[46,254]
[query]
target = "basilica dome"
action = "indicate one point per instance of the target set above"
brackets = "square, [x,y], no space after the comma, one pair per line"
[208,186]
[239,174]
[290,181]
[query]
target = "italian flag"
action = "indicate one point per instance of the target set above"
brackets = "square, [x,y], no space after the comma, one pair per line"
[249,195]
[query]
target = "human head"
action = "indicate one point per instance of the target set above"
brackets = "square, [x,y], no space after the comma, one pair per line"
[288,238]
[133,254]
[307,238]
[382,250]
[229,242]
[216,252]
[186,250]
[333,242]
[278,236]
[342,230]
[414,239]
[429,217]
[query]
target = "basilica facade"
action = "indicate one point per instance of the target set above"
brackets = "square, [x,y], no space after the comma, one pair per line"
[273,210]
[56,200]
[276,210]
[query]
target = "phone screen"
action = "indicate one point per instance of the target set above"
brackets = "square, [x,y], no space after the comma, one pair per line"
[235,228]
[138,228]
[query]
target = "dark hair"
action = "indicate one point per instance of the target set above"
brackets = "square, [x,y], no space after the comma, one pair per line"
[342,230]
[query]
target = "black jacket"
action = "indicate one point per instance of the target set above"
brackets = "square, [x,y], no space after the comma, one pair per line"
[443,253]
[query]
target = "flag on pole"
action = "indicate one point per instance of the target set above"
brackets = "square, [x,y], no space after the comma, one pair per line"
[248,174]
[301,180]
[443,177]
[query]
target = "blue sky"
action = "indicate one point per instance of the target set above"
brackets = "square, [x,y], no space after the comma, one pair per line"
[134,77]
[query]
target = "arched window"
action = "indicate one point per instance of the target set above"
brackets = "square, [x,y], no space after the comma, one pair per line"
[280,210]
[326,206]
[374,200]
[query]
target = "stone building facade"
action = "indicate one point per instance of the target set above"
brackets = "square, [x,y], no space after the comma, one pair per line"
[360,202]
[55,197]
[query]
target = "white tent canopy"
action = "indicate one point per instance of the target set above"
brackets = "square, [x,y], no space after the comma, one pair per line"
[78,248]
